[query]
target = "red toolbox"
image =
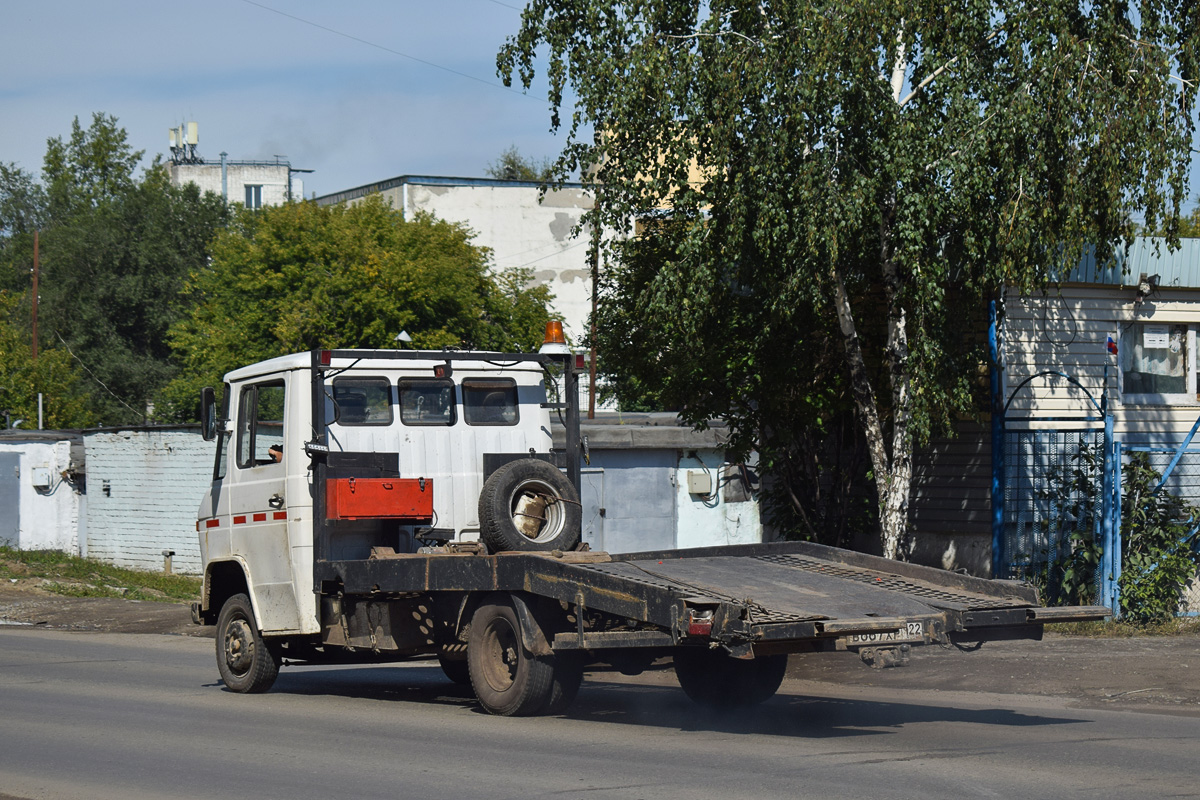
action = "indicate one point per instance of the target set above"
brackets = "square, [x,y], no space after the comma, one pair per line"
[379,498]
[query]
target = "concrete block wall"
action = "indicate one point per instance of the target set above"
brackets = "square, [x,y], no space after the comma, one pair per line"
[144,487]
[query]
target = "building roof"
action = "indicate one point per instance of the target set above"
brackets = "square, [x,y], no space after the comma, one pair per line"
[1148,255]
[649,431]
[430,180]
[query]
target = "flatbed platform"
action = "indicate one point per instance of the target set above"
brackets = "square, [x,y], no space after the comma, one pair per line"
[755,595]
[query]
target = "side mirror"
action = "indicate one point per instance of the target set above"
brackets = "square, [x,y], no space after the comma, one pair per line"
[208,413]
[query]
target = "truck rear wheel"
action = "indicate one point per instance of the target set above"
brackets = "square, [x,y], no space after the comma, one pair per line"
[244,660]
[529,505]
[508,680]
[714,678]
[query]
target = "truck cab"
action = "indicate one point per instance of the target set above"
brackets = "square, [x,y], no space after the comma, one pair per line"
[390,429]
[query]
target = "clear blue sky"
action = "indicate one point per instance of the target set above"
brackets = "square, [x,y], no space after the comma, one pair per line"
[262,79]
[336,87]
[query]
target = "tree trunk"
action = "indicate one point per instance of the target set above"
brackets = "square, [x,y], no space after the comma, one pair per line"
[893,472]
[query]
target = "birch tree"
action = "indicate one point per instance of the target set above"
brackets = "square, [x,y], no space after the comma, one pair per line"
[869,161]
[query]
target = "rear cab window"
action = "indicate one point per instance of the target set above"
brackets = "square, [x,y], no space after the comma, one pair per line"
[490,401]
[427,401]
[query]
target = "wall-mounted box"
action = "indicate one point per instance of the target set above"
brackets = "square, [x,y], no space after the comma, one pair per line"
[699,482]
[40,477]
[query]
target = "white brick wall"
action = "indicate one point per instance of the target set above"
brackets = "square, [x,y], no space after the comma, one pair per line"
[155,480]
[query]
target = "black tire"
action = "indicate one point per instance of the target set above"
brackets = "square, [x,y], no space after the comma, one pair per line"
[557,526]
[246,663]
[714,678]
[456,670]
[508,680]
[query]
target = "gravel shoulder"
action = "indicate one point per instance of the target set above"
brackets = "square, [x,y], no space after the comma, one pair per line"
[1146,673]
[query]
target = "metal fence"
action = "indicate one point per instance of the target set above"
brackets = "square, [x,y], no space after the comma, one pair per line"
[1062,497]
[1051,495]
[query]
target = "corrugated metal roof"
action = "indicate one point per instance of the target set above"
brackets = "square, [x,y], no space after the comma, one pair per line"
[1149,255]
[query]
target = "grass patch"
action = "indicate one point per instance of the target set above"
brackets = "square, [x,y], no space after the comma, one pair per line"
[1120,629]
[73,576]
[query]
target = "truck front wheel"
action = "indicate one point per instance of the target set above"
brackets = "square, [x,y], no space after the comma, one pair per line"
[714,678]
[244,660]
[508,680]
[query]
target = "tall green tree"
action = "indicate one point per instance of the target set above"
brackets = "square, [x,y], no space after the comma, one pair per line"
[513,165]
[115,252]
[22,211]
[882,165]
[90,168]
[301,276]
[53,375]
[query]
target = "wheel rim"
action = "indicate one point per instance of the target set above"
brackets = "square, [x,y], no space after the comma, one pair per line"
[541,523]
[502,655]
[239,646]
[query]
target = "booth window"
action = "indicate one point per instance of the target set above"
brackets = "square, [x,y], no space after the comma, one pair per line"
[1158,363]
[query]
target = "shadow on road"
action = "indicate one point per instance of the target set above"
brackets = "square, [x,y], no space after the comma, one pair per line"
[660,706]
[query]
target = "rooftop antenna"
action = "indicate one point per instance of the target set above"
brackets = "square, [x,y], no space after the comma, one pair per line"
[183,143]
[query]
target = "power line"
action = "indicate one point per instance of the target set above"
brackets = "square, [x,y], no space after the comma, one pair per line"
[387,49]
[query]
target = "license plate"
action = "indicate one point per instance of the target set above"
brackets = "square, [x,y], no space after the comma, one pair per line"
[911,631]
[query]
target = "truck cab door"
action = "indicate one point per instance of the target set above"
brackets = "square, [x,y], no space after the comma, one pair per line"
[258,505]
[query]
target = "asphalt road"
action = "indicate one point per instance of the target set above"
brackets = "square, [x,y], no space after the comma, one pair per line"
[100,716]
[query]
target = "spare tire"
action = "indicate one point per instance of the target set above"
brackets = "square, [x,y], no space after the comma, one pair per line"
[528,505]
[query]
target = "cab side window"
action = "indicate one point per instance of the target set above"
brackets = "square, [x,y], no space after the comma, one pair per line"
[222,466]
[260,423]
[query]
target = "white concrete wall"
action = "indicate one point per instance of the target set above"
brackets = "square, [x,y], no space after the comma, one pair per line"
[273,178]
[714,522]
[154,480]
[521,232]
[50,518]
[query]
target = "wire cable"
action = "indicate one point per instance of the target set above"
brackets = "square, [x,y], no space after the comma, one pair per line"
[387,49]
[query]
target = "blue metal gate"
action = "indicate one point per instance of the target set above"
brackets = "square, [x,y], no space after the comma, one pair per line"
[1057,496]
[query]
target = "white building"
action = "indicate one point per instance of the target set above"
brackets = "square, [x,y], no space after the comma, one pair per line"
[254,184]
[521,228]
[41,491]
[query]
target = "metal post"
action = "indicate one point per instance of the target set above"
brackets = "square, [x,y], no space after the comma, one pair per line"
[1106,517]
[1117,544]
[574,472]
[320,436]
[224,179]
[997,441]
